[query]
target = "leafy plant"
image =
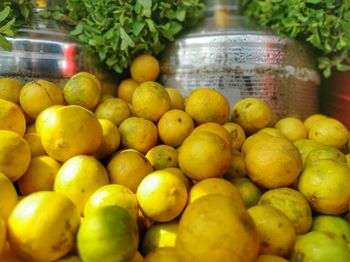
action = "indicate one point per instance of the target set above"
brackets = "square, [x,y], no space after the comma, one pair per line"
[13,14]
[325,24]
[119,30]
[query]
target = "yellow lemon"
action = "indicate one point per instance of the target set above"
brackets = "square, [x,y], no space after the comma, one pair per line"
[50,239]
[292,128]
[144,68]
[271,131]
[162,156]
[204,155]
[330,132]
[217,129]
[311,120]
[2,235]
[305,146]
[150,101]
[293,204]
[83,89]
[326,185]
[37,95]
[162,254]
[104,97]
[276,231]
[174,126]
[334,224]
[79,177]
[8,195]
[237,166]
[139,134]
[176,99]
[110,140]
[207,105]
[165,189]
[159,235]
[237,134]
[10,89]
[252,140]
[39,176]
[14,154]
[216,228]
[113,109]
[70,131]
[12,117]
[251,114]
[34,142]
[271,258]
[178,172]
[44,117]
[110,195]
[325,152]
[250,192]
[126,89]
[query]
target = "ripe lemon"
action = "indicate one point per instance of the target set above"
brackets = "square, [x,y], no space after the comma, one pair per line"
[325,152]
[216,228]
[50,239]
[274,162]
[110,140]
[204,155]
[326,185]
[2,235]
[12,117]
[276,231]
[113,109]
[150,101]
[10,89]
[271,258]
[174,126]
[162,254]
[35,145]
[178,172]
[237,134]
[251,114]
[330,132]
[83,89]
[237,166]
[252,140]
[272,131]
[333,224]
[217,129]
[128,168]
[292,128]
[110,195]
[159,235]
[207,105]
[44,117]
[162,156]
[250,192]
[311,120]
[126,89]
[79,177]
[108,234]
[138,133]
[70,131]
[144,68]
[293,204]
[37,95]
[305,146]
[8,195]
[176,99]
[14,154]
[165,189]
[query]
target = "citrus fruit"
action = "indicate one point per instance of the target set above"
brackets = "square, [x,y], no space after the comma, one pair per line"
[272,131]
[110,139]
[162,254]
[250,192]
[2,235]
[162,156]
[12,117]
[176,99]
[216,129]
[178,172]
[144,68]
[237,166]
[10,89]
[333,224]
[311,120]
[252,140]
[7,192]
[137,257]
[325,152]
[113,109]
[44,117]
[35,145]
[305,146]
[237,134]
[104,97]
[126,89]
[292,128]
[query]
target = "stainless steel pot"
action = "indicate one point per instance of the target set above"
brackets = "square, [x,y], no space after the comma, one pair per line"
[229,53]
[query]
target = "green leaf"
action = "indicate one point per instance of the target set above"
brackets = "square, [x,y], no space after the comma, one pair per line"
[78,29]
[4,13]
[147,5]
[342,67]
[137,28]
[7,26]
[180,14]
[5,44]
[126,39]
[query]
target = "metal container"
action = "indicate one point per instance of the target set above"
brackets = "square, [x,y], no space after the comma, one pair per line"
[44,49]
[228,52]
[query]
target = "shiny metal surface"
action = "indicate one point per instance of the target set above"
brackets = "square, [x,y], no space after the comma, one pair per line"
[227,52]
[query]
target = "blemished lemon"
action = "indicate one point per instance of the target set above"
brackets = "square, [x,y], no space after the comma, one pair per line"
[293,204]
[110,140]
[128,167]
[162,156]
[292,128]
[50,239]
[217,129]
[34,142]
[126,89]
[276,231]
[69,131]
[309,121]
[113,109]
[10,89]
[162,254]
[12,117]
[305,146]
[79,177]
[178,172]
[174,126]
[39,176]
[208,228]
[144,68]
[329,131]
[250,192]
[207,105]
[138,133]
[325,152]
[44,117]
[237,134]
[271,258]
[150,101]
[176,99]
[14,155]
[326,185]
[159,235]
[251,114]
[8,195]
[2,235]
[110,195]
[204,155]
[37,95]
[165,189]
[83,89]
[237,166]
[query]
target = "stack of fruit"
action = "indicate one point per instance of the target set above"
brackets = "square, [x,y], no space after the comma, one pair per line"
[152,176]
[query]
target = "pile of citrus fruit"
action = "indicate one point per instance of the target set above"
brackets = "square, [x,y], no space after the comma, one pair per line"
[150,175]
